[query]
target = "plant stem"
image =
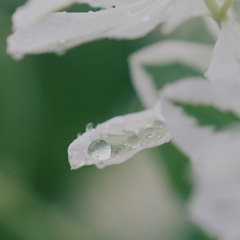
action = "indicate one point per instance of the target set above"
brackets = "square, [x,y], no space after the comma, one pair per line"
[225,7]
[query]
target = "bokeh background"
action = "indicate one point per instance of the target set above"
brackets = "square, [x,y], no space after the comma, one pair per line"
[45,101]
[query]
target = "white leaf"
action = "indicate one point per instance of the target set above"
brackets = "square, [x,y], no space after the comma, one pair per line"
[61,31]
[215,204]
[35,10]
[191,54]
[188,136]
[181,11]
[225,63]
[118,139]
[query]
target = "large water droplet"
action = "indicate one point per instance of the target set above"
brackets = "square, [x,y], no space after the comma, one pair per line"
[133,141]
[100,150]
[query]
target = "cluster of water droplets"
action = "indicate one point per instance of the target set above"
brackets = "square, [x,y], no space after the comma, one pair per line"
[110,146]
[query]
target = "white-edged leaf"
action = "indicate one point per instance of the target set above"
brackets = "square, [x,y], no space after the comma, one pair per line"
[34,10]
[225,63]
[191,54]
[118,139]
[60,31]
[214,205]
[181,11]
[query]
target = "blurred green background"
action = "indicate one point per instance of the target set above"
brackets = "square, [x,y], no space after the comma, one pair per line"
[45,101]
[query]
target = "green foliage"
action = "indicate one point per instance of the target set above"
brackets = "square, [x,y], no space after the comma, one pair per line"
[209,116]
[165,74]
[177,165]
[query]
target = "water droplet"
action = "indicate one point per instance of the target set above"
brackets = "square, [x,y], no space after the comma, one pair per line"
[158,125]
[150,132]
[89,127]
[79,134]
[100,150]
[115,152]
[61,52]
[101,165]
[133,141]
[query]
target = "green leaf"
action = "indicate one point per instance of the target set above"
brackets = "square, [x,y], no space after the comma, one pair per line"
[164,74]
[177,165]
[209,115]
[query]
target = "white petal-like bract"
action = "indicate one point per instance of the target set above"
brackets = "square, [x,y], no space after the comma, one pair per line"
[225,64]
[118,139]
[35,10]
[181,11]
[58,32]
[215,204]
[190,54]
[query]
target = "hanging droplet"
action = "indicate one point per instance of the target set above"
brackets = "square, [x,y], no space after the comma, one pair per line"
[89,127]
[133,141]
[100,150]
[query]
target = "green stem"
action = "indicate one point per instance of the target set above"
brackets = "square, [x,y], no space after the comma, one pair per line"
[218,13]
[213,8]
[225,7]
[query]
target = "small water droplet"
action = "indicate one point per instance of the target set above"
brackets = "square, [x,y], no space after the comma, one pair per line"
[79,134]
[101,165]
[150,132]
[89,127]
[61,52]
[115,152]
[157,125]
[133,141]
[100,150]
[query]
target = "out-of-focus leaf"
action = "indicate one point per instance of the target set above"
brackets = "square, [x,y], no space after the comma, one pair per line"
[177,165]
[170,73]
[209,115]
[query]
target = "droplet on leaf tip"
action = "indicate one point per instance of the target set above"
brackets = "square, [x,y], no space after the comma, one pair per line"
[99,150]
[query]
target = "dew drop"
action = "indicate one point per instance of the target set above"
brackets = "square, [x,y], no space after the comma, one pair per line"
[89,127]
[115,152]
[101,165]
[133,141]
[60,52]
[100,150]
[150,132]
[158,125]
